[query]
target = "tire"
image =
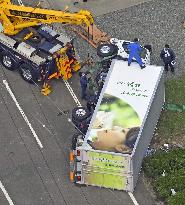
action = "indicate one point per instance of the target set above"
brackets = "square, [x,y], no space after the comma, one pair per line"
[79,114]
[7,62]
[107,50]
[26,73]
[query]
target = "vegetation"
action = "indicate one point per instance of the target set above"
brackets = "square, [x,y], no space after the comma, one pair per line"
[167,171]
[171,126]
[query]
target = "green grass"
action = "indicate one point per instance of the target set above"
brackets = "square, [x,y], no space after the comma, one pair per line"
[171,128]
[175,90]
[173,162]
[171,123]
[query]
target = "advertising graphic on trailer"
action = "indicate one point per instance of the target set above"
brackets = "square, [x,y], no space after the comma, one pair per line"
[123,107]
[116,124]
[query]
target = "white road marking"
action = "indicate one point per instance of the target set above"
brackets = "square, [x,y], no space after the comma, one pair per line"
[20,3]
[22,113]
[40,144]
[72,93]
[6,194]
[133,198]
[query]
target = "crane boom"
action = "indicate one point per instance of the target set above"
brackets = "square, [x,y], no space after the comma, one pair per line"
[15,18]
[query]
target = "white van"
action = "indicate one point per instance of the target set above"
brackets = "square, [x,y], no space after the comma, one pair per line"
[121,128]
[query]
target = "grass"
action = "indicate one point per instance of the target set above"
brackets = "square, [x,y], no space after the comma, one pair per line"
[171,126]
[170,129]
[167,171]
[175,90]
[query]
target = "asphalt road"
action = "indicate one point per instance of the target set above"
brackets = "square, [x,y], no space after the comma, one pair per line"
[39,176]
[35,176]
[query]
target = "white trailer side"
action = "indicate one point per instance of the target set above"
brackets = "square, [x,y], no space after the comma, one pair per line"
[121,128]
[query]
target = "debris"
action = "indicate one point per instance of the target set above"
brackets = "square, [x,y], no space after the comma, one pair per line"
[173,192]
[163,174]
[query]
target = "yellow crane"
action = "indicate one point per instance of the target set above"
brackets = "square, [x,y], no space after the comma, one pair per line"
[17,18]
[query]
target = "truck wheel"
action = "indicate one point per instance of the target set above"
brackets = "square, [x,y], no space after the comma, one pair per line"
[26,73]
[8,62]
[79,114]
[107,50]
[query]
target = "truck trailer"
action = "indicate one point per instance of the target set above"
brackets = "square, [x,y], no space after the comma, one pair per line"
[111,152]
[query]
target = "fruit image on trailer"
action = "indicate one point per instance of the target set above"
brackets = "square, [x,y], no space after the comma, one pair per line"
[121,127]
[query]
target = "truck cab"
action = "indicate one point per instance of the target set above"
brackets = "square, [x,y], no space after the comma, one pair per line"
[28,54]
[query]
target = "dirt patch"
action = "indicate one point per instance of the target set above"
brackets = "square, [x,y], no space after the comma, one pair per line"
[148,184]
[158,141]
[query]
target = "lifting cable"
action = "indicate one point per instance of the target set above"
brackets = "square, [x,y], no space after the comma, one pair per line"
[88,36]
[31,158]
[65,113]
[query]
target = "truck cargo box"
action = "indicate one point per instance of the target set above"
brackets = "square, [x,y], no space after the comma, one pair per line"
[121,127]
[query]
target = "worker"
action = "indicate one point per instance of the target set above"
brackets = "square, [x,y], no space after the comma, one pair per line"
[49,67]
[134,52]
[83,84]
[91,103]
[168,57]
[70,52]
[91,84]
[48,64]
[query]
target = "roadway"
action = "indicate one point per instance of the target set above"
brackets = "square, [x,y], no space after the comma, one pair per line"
[34,175]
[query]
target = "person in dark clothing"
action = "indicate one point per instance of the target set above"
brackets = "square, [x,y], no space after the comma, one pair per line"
[70,52]
[134,52]
[91,103]
[83,84]
[168,57]
[49,68]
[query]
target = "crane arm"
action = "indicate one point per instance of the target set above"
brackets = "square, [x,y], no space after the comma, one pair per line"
[14,18]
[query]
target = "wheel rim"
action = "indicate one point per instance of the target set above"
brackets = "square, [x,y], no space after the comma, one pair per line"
[7,61]
[26,74]
[80,112]
[105,49]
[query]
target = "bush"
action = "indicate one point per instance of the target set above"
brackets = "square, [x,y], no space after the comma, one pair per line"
[175,180]
[169,161]
[178,199]
[173,162]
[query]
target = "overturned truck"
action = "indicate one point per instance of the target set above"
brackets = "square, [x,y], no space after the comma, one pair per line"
[110,154]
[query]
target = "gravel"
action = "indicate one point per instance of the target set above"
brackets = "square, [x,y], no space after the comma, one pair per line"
[156,22]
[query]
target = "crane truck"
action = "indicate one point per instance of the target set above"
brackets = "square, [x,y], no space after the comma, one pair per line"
[27,42]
